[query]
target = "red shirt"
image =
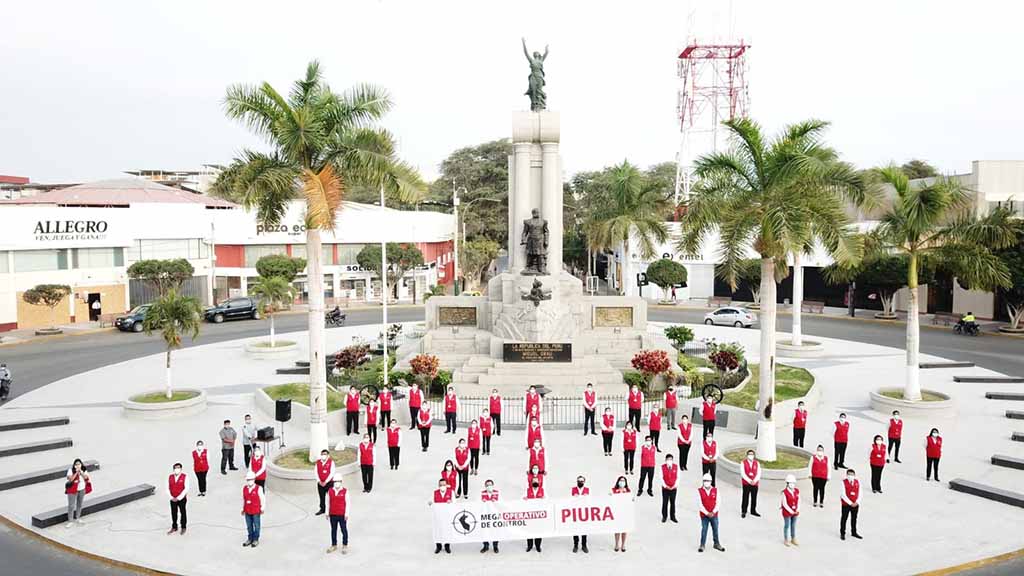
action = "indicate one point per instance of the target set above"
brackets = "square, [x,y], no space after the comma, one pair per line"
[750,470]
[538,458]
[617,490]
[895,429]
[371,415]
[491,496]
[72,485]
[878,454]
[792,499]
[710,453]
[451,403]
[531,478]
[590,399]
[324,471]
[685,429]
[485,427]
[532,403]
[534,434]
[647,454]
[366,453]
[669,475]
[423,419]
[495,404]
[338,501]
[635,399]
[629,439]
[256,465]
[933,449]
[393,435]
[842,433]
[461,458]
[609,422]
[200,463]
[671,400]
[708,499]
[852,490]
[415,398]
[252,500]
[534,493]
[799,419]
[176,485]
[452,478]
[819,467]
[708,411]
[384,400]
[654,422]
[577,491]
[473,437]
[443,497]
[352,402]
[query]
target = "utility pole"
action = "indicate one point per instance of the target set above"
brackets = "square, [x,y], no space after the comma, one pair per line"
[384,292]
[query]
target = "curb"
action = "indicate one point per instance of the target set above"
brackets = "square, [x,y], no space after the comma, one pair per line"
[993,560]
[58,336]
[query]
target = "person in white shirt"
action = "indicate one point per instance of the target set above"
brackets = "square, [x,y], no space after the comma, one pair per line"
[177,491]
[248,439]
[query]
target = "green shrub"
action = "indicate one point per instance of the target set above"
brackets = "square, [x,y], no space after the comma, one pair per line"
[440,383]
[679,335]
[633,377]
[399,378]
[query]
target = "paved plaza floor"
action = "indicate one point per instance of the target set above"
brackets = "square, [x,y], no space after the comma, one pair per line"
[912,527]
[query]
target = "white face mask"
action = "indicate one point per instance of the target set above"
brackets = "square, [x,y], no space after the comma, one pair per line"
[707,484]
[622,483]
[250,483]
[842,419]
[199,447]
[935,434]
[790,485]
[177,471]
[488,487]
[851,478]
[258,453]
[821,453]
[750,457]
[337,485]
[323,457]
[896,417]
[878,442]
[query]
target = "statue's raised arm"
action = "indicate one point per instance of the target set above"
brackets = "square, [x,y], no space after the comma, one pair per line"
[545,56]
[525,51]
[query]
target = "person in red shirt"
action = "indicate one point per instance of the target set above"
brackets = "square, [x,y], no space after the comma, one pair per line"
[338,516]
[258,466]
[708,507]
[684,435]
[451,410]
[532,403]
[534,432]
[750,473]
[895,435]
[647,464]
[628,447]
[254,504]
[671,405]
[580,490]
[486,429]
[324,479]
[372,413]
[366,463]
[450,475]
[494,403]
[851,504]
[200,465]
[820,474]
[489,494]
[840,437]
[177,491]
[621,487]
[534,492]
[534,474]
[352,411]
[635,401]
[384,398]
[415,403]
[443,495]
[473,440]
[790,511]
[394,444]
[607,430]
[654,427]
[589,409]
[709,457]
[462,467]
[669,484]
[877,464]
[707,414]
[799,424]
[538,456]
[933,452]
[424,421]
[535,413]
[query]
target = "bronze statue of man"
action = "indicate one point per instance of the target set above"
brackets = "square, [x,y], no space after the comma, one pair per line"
[538,99]
[535,238]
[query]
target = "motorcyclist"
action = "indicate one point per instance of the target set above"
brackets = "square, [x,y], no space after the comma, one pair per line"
[335,313]
[5,381]
[967,322]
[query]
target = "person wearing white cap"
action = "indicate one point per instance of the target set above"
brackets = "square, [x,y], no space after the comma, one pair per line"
[790,511]
[339,509]
[708,513]
[254,504]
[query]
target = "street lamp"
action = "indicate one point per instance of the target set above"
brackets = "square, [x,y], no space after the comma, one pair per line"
[455,237]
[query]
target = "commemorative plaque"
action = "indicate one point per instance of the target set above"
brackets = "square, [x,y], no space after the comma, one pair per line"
[537,352]
[456,316]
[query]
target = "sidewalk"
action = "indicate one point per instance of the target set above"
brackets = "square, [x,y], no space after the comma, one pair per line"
[76,329]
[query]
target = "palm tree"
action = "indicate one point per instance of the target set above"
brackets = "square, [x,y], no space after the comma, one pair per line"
[772,196]
[174,315]
[321,142]
[933,222]
[636,208]
[272,293]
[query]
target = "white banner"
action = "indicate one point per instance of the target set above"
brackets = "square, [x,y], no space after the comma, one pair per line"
[463,522]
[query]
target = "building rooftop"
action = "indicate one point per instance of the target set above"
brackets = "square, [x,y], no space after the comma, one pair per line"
[123,192]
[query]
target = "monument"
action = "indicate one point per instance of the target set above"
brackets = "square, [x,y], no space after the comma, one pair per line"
[535,305]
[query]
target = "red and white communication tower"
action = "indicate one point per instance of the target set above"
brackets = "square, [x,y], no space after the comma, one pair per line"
[712,89]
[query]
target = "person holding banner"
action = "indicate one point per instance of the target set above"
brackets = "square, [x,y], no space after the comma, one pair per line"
[424,421]
[621,487]
[533,474]
[635,401]
[534,433]
[473,441]
[654,427]
[449,475]
[709,457]
[669,483]
[607,430]
[494,404]
[647,463]
[451,409]
[534,492]
[538,457]
[589,409]
[486,429]
[578,491]
[394,444]
[339,509]
[708,513]
[415,403]
[683,435]
[489,494]
[462,467]
[443,495]
[628,447]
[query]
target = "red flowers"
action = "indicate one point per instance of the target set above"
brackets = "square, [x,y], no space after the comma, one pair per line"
[651,362]
[425,365]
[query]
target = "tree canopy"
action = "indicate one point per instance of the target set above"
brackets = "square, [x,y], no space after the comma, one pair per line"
[1013,295]
[281,266]
[476,256]
[402,257]
[49,295]
[918,169]
[666,273]
[483,171]
[162,275]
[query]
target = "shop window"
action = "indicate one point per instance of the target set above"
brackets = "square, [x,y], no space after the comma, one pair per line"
[326,251]
[40,260]
[347,254]
[94,258]
[254,253]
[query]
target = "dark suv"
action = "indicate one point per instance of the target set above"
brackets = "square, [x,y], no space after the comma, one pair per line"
[232,309]
[132,322]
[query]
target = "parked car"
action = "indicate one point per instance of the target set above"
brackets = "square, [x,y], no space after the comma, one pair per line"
[731,316]
[232,309]
[132,322]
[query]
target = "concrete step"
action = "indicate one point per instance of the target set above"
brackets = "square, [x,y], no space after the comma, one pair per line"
[988,492]
[44,475]
[94,504]
[927,365]
[1017,436]
[37,423]
[1004,395]
[1015,415]
[1008,461]
[988,379]
[40,446]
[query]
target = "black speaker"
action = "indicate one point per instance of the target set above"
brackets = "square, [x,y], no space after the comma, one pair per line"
[284,410]
[265,434]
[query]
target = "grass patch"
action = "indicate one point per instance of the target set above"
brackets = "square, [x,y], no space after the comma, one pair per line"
[367,374]
[790,382]
[926,396]
[277,344]
[692,362]
[785,461]
[298,392]
[299,459]
[161,397]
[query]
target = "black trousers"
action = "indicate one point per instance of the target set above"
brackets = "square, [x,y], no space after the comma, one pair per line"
[177,507]
[425,438]
[818,485]
[532,543]
[449,422]
[463,483]
[749,497]
[709,427]
[634,417]
[393,455]
[474,458]
[840,460]
[710,468]
[371,430]
[247,453]
[321,491]
[628,456]
[227,459]
[648,473]
[798,436]
[385,418]
[588,421]
[487,444]
[894,443]
[262,483]
[684,454]
[932,463]
[606,440]
[367,472]
[876,478]
[414,411]
[496,418]
[851,513]
[351,422]
[576,540]
[668,504]
[201,476]
[655,436]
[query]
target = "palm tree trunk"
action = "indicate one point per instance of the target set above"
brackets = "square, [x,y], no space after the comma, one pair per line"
[271,330]
[317,378]
[912,388]
[766,390]
[170,393]
[625,288]
[798,298]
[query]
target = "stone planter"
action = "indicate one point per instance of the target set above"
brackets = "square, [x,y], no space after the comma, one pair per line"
[938,409]
[1008,330]
[257,349]
[744,421]
[300,413]
[48,331]
[809,349]
[165,410]
[292,481]
[771,480]
[882,316]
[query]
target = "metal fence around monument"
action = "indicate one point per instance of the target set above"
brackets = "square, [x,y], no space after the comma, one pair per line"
[556,412]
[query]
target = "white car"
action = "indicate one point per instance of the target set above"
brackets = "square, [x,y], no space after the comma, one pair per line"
[730,316]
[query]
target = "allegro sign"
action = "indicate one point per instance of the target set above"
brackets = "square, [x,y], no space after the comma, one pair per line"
[53,230]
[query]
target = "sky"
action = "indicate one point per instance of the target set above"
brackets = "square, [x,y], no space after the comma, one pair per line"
[90,89]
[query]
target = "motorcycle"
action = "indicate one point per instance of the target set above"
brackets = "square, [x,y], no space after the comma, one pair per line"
[966,328]
[5,389]
[334,320]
